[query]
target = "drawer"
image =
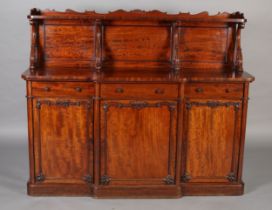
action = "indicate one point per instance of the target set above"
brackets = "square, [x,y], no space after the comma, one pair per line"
[62,89]
[214,90]
[154,91]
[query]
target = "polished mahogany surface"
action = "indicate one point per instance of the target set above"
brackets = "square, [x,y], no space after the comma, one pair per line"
[136,104]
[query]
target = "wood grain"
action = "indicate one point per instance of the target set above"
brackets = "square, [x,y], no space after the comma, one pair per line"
[145,44]
[63,150]
[212,136]
[130,133]
[203,47]
[64,44]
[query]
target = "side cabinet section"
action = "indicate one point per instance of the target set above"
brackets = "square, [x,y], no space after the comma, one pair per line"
[211,141]
[63,142]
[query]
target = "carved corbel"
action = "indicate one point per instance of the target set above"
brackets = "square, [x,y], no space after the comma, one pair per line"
[98,44]
[169,180]
[34,53]
[185,177]
[237,55]
[231,177]
[88,178]
[175,47]
[105,180]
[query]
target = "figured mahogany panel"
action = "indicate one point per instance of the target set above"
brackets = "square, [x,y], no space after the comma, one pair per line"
[212,136]
[63,140]
[69,45]
[138,141]
[204,47]
[142,44]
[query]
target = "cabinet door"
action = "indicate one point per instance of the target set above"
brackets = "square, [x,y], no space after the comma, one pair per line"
[138,141]
[63,140]
[211,137]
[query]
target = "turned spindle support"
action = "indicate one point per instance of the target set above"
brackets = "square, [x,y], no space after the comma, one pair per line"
[237,64]
[98,44]
[239,55]
[175,47]
[34,53]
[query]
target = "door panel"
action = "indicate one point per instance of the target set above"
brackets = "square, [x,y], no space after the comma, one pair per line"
[138,141]
[63,140]
[212,136]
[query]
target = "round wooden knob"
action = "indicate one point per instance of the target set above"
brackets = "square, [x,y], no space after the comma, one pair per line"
[78,89]
[47,89]
[159,91]
[119,90]
[199,90]
[227,90]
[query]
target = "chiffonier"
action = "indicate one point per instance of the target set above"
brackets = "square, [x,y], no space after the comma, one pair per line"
[136,104]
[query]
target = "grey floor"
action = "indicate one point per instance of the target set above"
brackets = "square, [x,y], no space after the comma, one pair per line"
[14,172]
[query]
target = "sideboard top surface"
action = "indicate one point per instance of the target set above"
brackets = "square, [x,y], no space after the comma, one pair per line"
[140,75]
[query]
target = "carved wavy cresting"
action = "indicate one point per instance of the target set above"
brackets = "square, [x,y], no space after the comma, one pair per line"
[136,13]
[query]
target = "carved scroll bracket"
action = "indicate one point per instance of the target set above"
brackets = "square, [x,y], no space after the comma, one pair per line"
[61,103]
[88,178]
[237,54]
[140,105]
[231,177]
[35,48]
[98,44]
[213,104]
[105,180]
[169,180]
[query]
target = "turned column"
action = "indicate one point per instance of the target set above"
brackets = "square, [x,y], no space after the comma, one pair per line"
[175,47]
[98,44]
[237,64]
[34,53]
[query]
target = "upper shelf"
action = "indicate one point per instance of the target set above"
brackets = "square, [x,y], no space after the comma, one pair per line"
[136,39]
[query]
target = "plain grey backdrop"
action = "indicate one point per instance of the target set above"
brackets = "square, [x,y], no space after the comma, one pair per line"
[14,59]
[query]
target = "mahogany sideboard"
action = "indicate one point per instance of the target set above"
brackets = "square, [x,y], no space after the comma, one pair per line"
[136,104]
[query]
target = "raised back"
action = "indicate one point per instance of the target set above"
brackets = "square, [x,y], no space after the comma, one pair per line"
[137,39]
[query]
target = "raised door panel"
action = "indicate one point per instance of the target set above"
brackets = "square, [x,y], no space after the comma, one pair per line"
[212,136]
[138,141]
[63,140]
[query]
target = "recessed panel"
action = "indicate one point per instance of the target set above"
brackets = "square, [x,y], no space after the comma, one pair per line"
[205,45]
[137,43]
[69,42]
[212,138]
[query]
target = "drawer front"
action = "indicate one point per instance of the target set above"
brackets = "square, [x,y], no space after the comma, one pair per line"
[214,90]
[155,91]
[62,89]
